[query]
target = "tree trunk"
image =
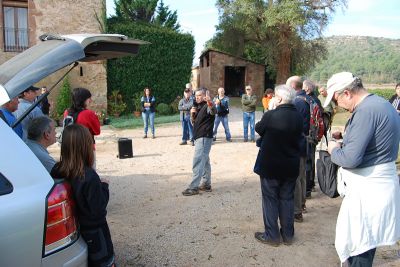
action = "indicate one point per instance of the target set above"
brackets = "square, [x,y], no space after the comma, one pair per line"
[284,57]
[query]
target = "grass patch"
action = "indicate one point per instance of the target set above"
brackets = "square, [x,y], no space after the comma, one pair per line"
[130,121]
[341,118]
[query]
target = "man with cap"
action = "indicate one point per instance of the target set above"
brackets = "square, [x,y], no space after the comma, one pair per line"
[26,99]
[368,181]
[7,110]
[184,106]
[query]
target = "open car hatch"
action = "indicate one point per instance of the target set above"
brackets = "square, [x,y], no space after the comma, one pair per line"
[56,52]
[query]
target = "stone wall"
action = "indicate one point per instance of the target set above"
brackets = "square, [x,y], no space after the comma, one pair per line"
[66,17]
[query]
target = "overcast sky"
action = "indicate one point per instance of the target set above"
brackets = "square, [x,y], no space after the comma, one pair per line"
[362,17]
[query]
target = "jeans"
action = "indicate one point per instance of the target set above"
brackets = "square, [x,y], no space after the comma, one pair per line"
[249,117]
[148,116]
[362,260]
[224,120]
[278,202]
[201,162]
[300,189]
[187,129]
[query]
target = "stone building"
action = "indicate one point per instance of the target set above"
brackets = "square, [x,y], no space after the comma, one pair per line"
[23,21]
[219,69]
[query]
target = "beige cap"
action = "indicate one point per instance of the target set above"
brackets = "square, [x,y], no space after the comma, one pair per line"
[338,82]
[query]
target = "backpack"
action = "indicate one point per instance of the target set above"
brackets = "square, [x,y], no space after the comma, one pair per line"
[317,126]
[68,120]
[327,174]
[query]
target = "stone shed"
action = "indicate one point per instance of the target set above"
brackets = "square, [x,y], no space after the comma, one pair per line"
[23,21]
[219,69]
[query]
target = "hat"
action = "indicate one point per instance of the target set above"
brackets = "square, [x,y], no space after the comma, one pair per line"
[338,82]
[187,86]
[31,88]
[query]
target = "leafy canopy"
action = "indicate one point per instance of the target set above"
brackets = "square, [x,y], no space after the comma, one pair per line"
[283,34]
[147,11]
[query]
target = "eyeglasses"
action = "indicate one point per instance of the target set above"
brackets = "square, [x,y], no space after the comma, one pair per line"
[248,89]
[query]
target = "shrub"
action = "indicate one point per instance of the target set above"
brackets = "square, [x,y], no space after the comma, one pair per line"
[116,104]
[64,98]
[164,65]
[385,93]
[163,109]
[174,105]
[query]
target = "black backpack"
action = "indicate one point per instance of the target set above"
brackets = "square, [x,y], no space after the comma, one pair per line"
[327,174]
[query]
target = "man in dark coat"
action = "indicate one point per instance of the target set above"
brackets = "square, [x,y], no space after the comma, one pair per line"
[278,164]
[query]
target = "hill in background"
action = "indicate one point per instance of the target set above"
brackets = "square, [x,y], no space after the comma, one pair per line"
[374,59]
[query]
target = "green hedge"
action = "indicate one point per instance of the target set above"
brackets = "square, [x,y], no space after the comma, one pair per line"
[385,93]
[164,65]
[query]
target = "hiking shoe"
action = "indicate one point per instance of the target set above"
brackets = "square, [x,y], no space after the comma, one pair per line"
[245,140]
[183,143]
[260,237]
[205,187]
[308,195]
[287,242]
[145,136]
[252,140]
[298,218]
[214,139]
[192,143]
[228,140]
[153,136]
[190,192]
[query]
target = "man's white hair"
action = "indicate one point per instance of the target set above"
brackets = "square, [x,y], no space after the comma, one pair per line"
[285,92]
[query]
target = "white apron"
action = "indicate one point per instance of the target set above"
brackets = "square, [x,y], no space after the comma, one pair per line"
[369,216]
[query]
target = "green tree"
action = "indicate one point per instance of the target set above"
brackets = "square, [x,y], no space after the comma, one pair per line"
[286,33]
[147,11]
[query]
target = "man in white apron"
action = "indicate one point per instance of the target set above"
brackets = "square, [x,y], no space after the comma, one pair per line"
[370,212]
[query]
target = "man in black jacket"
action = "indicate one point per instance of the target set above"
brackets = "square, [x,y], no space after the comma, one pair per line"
[203,116]
[278,164]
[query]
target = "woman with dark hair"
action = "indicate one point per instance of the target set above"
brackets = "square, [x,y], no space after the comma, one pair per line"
[90,192]
[148,110]
[81,99]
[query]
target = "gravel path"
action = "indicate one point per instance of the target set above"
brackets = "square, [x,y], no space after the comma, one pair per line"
[152,224]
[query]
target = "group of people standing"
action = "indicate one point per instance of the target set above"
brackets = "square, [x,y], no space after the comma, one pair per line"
[366,154]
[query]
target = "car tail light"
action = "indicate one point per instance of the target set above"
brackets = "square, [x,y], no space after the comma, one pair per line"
[61,228]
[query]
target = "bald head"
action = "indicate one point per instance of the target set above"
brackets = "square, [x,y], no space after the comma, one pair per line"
[295,82]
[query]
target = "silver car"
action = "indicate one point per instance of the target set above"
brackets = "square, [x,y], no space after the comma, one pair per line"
[38,226]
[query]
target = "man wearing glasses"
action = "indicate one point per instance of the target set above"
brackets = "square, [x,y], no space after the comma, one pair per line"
[368,181]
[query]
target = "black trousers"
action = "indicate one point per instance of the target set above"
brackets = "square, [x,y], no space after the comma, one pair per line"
[362,260]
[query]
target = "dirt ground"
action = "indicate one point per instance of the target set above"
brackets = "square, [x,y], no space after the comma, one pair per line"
[152,224]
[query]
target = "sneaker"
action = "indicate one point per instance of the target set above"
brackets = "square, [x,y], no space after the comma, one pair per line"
[308,195]
[153,136]
[145,136]
[205,187]
[214,138]
[245,140]
[228,140]
[183,143]
[190,192]
[260,237]
[192,143]
[298,218]
[253,141]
